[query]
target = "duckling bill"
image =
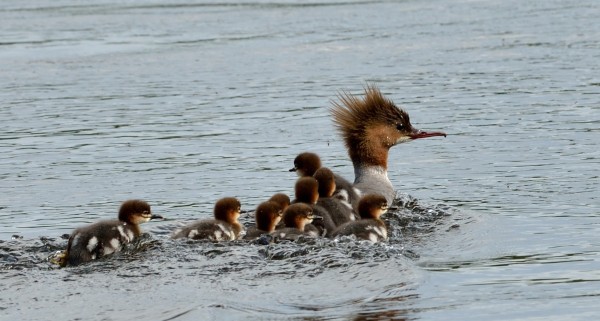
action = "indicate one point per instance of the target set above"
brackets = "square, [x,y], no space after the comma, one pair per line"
[296,217]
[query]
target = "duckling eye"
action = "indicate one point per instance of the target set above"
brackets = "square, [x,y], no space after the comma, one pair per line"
[145,212]
[400,127]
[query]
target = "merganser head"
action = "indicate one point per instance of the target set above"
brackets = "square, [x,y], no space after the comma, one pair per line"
[267,215]
[298,215]
[307,190]
[372,125]
[326,181]
[228,209]
[136,212]
[305,164]
[372,206]
[281,199]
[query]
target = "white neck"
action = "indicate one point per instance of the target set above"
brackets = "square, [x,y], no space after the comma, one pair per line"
[374,180]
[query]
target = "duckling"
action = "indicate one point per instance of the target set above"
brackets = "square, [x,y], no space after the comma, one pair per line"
[106,237]
[267,216]
[370,227]
[296,217]
[224,226]
[307,164]
[307,192]
[340,211]
[370,127]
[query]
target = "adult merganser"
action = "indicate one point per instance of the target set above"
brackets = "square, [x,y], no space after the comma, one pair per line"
[106,237]
[224,226]
[296,217]
[370,127]
[267,215]
[307,192]
[339,210]
[369,227]
[307,163]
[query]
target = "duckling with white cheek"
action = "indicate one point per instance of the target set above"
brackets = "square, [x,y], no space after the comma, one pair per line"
[106,237]
[224,226]
[370,227]
[307,164]
[296,217]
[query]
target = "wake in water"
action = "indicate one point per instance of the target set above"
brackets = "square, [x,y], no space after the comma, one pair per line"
[407,219]
[306,278]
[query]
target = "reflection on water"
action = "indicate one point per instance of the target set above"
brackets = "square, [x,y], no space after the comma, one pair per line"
[183,103]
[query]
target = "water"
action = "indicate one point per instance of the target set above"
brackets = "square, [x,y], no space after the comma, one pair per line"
[183,103]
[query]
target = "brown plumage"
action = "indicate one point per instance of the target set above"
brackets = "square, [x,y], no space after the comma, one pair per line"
[370,126]
[372,206]
[309,164]
[106,237]
[370,226]
[339,210]
[267,215]
[227,209]
[307,190]
[326,180]
[306,164]
[224,227]
[130,207]
[281,199]
[297,216]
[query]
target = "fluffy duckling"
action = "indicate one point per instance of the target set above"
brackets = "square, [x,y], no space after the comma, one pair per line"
[339,210]
[267,216]
[370,227]
[307,192]
[296,218]
[224,226]
[106,237]
[307,164]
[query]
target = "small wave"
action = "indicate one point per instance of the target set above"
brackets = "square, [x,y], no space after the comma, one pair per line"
[407,217]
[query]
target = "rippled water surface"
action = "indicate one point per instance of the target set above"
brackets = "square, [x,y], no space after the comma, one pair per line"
[181,103]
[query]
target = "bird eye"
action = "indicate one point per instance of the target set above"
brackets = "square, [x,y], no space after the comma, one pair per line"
[400,127]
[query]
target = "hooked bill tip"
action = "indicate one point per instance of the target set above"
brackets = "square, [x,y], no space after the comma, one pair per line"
[423,134]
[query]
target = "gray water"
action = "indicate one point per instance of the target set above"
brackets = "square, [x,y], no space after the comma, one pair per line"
[181,103]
